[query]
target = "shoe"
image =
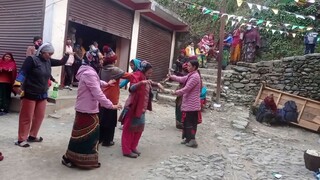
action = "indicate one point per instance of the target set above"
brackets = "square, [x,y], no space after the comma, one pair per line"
[131,155]
[136,152]
[192,143]
[107,144]
[184,142]
[68,87]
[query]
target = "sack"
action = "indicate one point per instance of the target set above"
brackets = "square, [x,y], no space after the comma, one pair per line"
[289,112]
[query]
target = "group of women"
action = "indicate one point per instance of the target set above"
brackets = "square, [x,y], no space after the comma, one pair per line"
[97,102]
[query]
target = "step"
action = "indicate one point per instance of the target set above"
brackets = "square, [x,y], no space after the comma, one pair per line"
[208,71]
[166,99]
[61,103]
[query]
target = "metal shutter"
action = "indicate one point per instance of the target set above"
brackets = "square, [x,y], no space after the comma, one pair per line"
[104,15]
[154,46]
[20,21]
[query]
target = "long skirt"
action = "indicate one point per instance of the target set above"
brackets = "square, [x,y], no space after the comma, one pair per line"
[83,145]
[131,132]
[5,97]
[250,52]
[236,54]
[225,58]
[108,123]
[190,120]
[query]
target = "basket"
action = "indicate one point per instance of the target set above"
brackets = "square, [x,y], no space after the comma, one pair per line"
[311,162]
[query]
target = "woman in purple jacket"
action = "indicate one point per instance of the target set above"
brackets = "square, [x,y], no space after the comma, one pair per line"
[191,105]
[83,145]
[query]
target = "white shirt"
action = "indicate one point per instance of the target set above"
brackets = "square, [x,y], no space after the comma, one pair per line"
[69,50]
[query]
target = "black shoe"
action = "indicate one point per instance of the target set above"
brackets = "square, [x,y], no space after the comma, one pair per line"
[107,144]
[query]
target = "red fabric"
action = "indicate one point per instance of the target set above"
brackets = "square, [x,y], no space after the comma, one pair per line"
[269,102]
[139,95]
[9,66]
[183,51]
[236,38]
[130,139]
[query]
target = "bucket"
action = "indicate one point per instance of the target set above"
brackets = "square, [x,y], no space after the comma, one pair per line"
[312,160]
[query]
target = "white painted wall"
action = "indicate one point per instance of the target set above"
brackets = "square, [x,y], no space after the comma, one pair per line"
[173,43]
[134,37]
[54,29]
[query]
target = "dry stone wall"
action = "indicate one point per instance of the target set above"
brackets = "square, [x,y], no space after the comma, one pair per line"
[298,75]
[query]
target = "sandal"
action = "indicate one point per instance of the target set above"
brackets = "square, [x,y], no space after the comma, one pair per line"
[34,139]
[22,144]
[131,155]
[136,152]
[67,162]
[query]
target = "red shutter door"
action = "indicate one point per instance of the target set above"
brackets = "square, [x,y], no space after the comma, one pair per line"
[20,21]
[104,15]
[154,46]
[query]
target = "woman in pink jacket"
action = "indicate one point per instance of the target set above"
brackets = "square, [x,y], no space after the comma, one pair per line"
[82,150]
[191,105]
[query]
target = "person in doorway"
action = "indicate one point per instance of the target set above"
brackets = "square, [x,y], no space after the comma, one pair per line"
[191,105]
[236,46]
[109,117]
[97,56]
[68,67]
[133,115]
[135,66]
[226,50]
[8,73]
[251,43]
[310,41]
[78,55]
[33,81]
[190,51]
[31,50]
[83,145]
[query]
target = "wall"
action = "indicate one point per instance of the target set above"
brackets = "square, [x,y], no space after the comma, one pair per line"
[54,29]
[298,75]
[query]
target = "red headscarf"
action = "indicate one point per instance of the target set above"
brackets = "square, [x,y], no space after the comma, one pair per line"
[9,66]
[110,56]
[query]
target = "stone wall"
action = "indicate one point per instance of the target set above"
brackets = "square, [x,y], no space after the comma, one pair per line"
[298,75]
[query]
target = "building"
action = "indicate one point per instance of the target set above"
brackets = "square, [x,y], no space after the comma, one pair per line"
[133,28]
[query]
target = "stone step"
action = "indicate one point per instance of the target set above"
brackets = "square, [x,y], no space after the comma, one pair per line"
[60,103]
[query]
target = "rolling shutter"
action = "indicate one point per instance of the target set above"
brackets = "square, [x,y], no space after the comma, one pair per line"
[104,15]
[20,21]
[154,46]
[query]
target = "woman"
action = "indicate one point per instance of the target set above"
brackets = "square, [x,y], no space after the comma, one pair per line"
[33,80]
[236,46]
[133,115]
[83,145]
[108,117]
[191,105]
[135,66]
[8,73]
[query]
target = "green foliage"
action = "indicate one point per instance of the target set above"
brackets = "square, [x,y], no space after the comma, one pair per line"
[274,46]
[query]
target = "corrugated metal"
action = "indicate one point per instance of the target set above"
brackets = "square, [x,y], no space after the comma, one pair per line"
[20,21]
[104,15]
[154,45]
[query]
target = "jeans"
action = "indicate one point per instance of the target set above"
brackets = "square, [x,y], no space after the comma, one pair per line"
[309,48]
[68,75]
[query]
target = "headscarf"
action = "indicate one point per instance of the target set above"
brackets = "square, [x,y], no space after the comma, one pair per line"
[110,56]
[145,66]
[137,64]
[45,47]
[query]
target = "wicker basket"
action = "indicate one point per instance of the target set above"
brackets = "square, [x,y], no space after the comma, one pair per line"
[311,162]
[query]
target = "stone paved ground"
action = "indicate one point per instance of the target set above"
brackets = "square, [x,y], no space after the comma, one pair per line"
[225,151]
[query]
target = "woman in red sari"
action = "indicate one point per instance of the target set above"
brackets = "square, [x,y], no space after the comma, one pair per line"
[133,115]
[8,73]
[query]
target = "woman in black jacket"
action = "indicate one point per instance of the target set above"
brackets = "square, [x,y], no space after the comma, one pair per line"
[32,85]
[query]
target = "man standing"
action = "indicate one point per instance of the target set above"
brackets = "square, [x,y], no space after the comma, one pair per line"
[79,53]
[68,66]
[310,41]
[31,50]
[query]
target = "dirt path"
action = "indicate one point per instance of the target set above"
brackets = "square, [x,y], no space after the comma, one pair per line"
[223,153]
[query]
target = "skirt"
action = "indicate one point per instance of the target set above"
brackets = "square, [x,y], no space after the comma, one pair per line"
[190,120]
[5,97]
[83,145]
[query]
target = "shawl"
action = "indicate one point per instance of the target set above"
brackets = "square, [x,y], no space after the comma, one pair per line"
[139,96]
[9,66]
[109,72]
